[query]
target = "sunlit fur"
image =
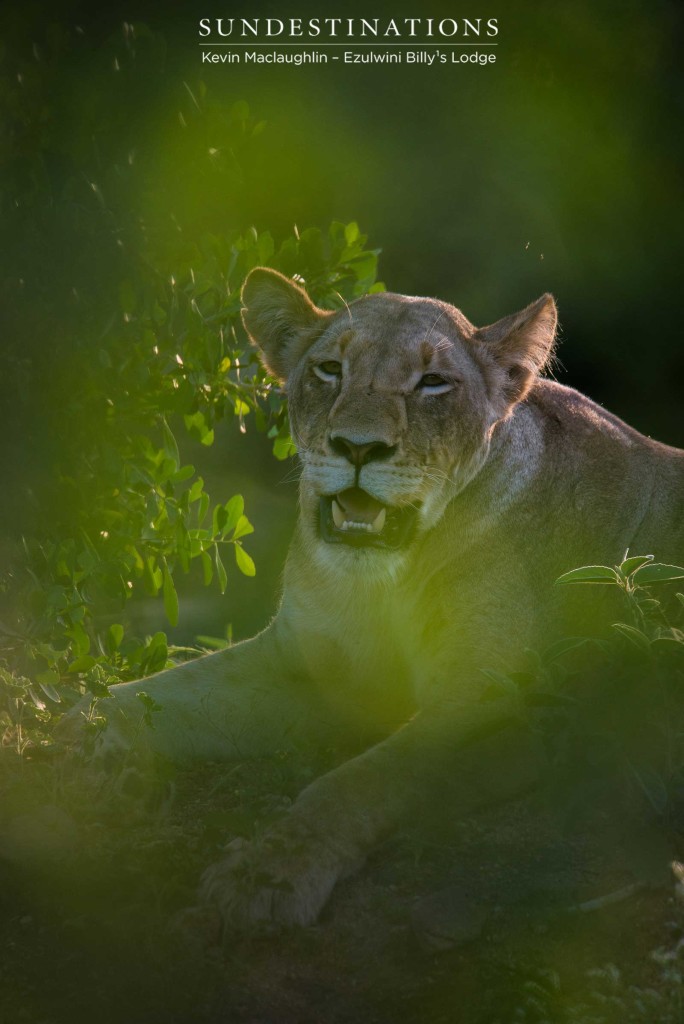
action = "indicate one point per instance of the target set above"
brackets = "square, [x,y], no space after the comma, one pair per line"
[386,343]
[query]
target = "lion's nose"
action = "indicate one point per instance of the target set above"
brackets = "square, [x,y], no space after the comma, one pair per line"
[360,454]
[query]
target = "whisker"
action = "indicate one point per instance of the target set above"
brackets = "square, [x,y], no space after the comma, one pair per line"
[441,314]
[435,474]
[349,312]
[298,442]
[292,475]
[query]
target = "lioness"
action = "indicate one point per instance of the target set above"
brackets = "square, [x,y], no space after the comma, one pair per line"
[445,486]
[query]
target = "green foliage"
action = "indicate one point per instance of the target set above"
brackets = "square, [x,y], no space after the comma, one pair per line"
[610,707]
[606,996]
[649,631]
[124,259]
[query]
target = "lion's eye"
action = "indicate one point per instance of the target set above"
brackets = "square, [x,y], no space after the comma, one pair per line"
[330,370]
[433,384]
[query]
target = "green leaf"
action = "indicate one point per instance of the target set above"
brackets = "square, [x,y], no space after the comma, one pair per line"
[47,687]
[667,645]
[630,565]
[207,568]
[219,520]
[351,232]
[47,678]
[284,448]
[244,563]
[151,577]
[195,492]
[156,654]
[170,445]
[634,635]
[115,635]
[82,664]
[184,473]
[80,638]
[204,503]
[183,547]
[14,687]
[501,681]
[97,687]
[590,574]
[657,573]
[170,596]
[234,510]
[150,706]
[220,570]
[561,647]
[243,528]
[149,703]
[36,700]
[214,643]
[265,245]
[649,605]
[198,428]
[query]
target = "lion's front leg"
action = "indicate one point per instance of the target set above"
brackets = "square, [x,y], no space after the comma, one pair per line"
[287,876]
[247,701]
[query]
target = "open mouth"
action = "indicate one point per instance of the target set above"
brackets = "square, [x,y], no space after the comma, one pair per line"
[356,518]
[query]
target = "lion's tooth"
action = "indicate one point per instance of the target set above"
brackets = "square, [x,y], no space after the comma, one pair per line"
[379,521]
[342,523]
[338,515]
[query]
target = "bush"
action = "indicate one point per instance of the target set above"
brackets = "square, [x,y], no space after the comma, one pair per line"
[122,291]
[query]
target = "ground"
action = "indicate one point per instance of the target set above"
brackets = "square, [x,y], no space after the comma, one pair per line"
[489,919]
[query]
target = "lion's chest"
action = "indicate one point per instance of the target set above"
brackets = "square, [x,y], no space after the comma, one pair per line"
[360,652]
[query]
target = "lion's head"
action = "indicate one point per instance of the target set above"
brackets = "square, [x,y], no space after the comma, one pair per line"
[392,400]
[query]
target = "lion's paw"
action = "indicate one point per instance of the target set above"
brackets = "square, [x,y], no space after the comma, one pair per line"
[260,885]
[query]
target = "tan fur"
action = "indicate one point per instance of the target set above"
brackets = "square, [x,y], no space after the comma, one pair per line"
[516,480]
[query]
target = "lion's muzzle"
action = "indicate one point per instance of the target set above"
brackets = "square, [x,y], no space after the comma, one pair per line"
[356,518]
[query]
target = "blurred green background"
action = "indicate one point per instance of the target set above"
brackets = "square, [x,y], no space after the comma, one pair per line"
[558,168]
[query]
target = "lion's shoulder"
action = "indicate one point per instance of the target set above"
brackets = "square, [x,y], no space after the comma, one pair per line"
[578,418]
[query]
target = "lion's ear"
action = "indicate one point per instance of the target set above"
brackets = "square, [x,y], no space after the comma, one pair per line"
[522,345]
[280,319]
